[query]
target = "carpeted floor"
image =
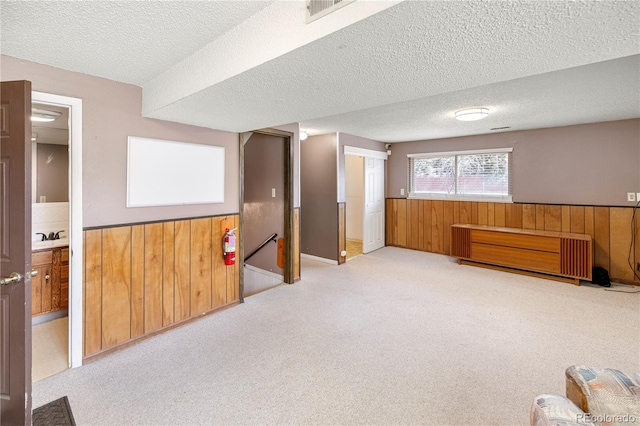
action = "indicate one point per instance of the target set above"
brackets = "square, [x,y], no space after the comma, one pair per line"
[392,337]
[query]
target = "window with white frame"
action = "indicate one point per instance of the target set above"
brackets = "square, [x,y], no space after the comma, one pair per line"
[485,174]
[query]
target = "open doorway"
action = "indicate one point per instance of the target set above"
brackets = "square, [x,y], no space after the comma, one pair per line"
[364,194]
[56,234]
[50,239]
[354,197]
[266,210]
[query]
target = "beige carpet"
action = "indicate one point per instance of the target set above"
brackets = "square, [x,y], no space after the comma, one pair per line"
[50,346]
[391,337]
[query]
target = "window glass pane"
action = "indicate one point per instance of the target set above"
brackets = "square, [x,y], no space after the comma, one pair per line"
[435,175]
[486,174]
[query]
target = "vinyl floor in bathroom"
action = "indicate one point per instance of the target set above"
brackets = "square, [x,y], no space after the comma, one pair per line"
[50,348]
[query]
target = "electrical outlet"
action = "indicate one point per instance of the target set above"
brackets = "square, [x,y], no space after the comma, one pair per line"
[401,191]
[273,193]
[638,196]
[631,196]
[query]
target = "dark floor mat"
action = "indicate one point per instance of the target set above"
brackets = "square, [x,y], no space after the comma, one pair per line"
[55,413]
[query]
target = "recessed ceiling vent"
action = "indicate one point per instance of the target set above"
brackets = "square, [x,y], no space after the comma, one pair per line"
[319,8]
[501,128]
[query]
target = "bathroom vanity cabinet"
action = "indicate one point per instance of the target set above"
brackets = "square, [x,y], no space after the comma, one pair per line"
[50,288]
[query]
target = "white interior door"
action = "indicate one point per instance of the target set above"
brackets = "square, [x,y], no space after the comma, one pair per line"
[373,232]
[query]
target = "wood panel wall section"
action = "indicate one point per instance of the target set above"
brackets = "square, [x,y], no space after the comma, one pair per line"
[425,225]
[342,232]
[296,244]
[143,278]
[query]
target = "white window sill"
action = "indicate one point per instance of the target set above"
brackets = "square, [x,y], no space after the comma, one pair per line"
[478,198]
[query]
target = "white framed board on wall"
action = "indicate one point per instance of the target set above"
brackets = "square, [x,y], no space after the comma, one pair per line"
[169,173]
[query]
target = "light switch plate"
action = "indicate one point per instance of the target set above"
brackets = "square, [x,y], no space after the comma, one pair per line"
[273,192]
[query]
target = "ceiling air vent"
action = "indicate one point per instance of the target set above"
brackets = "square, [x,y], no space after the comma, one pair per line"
[319,8]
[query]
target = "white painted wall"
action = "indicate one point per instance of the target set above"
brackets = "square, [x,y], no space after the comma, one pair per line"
[354,193]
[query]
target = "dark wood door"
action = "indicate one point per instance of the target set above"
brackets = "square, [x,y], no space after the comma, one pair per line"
[15,252]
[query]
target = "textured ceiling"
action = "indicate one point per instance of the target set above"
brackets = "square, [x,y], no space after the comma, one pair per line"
[604,91]
[398,75]
[128,41]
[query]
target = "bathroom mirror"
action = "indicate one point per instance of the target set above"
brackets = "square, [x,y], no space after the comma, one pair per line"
[50,153]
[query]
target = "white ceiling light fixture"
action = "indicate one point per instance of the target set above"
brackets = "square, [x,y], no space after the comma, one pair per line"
[303,135]
[44,115]
[472,114]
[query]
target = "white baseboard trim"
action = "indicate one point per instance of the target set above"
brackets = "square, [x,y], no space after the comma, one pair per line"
[263,272]
[319,259]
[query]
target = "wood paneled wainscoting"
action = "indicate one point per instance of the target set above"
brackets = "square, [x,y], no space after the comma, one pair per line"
[296,244]
[140,279]
[342,232]
[425,225]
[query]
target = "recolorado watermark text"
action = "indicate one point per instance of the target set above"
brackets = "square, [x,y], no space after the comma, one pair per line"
[606,418]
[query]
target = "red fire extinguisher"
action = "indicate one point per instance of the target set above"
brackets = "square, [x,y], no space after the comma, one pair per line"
[229,247]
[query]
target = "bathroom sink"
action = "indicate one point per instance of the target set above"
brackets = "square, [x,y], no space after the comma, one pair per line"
[37,245]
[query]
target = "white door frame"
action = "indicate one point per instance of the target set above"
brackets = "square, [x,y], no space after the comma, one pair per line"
[363,152]
[75,219]
[367,153]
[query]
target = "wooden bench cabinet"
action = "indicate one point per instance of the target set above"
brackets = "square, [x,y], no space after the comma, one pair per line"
[556,255]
